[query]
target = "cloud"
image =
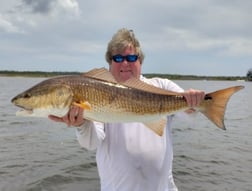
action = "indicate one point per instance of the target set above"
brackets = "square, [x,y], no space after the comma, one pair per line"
[38,6]
[29,16]
[198,26]
[74,28]
[50,7]
[40,14]
[7,26]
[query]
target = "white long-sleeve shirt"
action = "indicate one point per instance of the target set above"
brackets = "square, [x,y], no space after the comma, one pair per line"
[130,156]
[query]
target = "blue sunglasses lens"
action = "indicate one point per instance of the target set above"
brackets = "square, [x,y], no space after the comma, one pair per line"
[119,58]
[131,58]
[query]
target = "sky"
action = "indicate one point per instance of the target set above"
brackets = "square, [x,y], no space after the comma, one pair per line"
[188,37]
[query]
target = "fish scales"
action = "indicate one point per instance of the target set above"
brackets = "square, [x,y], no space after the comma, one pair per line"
[105,100]
[124,99]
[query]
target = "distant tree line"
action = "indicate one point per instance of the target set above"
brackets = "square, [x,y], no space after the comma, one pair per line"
[194,77]
[36,73]
[168,76]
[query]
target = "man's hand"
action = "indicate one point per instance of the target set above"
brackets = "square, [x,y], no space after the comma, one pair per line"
[193,98]
[74,117]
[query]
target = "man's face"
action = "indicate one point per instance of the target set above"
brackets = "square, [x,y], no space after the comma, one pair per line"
[125,70]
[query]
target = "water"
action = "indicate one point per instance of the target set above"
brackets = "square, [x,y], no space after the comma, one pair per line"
[38,154]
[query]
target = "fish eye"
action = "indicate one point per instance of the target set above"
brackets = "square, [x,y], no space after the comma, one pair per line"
[27,95]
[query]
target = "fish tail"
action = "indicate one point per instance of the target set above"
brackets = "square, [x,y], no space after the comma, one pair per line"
[215,103]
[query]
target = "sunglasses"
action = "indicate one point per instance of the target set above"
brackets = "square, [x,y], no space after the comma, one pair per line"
[130,58]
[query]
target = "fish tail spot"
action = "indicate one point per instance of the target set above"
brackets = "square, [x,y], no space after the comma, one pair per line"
[215,108]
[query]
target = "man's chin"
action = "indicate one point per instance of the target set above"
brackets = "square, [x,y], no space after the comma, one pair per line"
[125,76]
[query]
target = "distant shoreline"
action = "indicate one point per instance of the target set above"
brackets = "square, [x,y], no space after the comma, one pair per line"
[149,75]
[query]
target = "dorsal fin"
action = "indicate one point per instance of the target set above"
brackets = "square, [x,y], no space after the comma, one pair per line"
[100,74]
[105,75]
[138,84]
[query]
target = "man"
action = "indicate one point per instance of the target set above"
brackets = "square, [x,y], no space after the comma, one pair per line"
[130,157]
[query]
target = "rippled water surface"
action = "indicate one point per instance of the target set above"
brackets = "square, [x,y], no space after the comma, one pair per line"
[38,154]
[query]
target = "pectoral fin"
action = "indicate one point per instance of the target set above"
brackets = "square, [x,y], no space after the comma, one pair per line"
[157,126]
[83,105]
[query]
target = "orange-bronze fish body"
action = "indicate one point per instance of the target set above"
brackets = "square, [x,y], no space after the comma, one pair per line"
[105,100]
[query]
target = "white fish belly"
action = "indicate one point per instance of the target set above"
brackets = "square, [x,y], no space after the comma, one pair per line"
[107,117]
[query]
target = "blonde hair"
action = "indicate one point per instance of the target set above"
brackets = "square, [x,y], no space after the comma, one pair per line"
[123,39]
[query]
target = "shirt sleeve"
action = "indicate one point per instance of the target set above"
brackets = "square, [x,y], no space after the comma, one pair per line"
[90,134]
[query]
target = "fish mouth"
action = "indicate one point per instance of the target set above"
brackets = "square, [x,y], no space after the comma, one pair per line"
[24,112]
[24,109]
[28,110]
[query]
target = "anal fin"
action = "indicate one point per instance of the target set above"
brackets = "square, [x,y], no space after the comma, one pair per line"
[157,126]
